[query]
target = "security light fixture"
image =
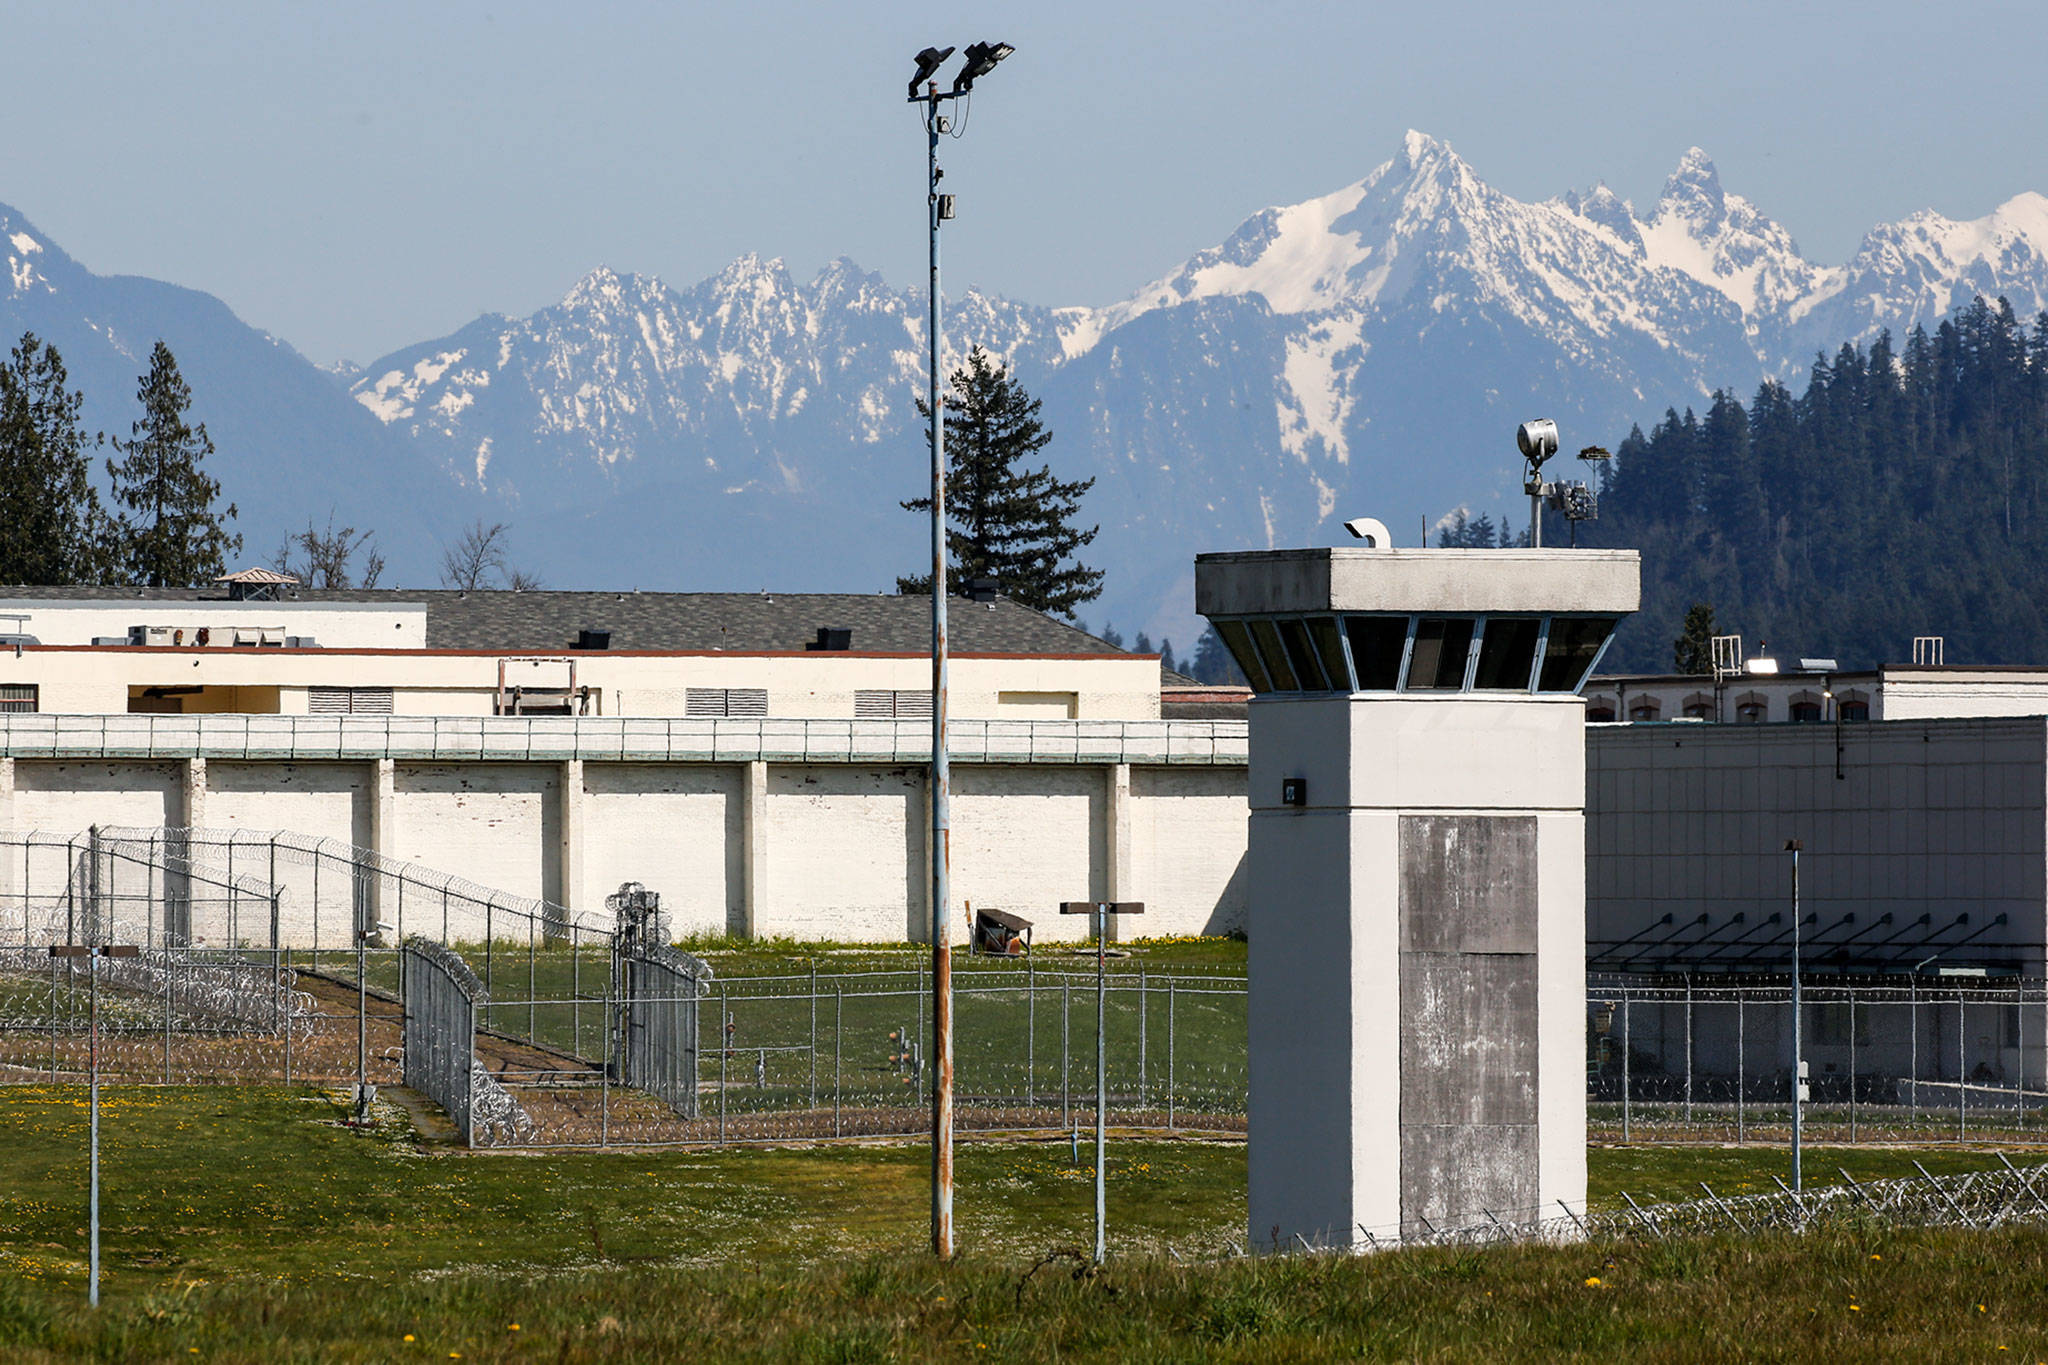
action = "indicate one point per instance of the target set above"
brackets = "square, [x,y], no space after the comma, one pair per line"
[981,59]
[1537,440]
[928,62]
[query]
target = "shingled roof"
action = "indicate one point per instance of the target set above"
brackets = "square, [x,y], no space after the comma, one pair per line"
[545,621]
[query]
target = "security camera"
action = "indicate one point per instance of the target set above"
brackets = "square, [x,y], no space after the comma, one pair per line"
[1537,440]
[1372,531]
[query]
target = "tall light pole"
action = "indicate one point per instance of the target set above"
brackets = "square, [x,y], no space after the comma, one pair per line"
[979,59]
[1794,847]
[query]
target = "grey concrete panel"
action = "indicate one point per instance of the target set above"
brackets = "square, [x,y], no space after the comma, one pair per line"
[1452,1175]
[1468,1051]
[1468,883]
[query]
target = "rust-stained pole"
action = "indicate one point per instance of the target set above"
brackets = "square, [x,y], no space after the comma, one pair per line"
[942,779]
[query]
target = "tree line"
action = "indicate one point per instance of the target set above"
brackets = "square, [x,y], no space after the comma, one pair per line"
[1901,494]
[161,524]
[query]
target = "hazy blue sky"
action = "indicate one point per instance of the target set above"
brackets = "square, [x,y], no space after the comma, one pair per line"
[360,177]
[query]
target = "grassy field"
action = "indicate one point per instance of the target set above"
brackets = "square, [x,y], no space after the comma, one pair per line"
[248,1224]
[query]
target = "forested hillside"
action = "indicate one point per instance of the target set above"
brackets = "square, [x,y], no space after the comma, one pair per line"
[1902,494]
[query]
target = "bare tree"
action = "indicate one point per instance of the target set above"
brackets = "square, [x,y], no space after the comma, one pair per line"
[478,560]
[326,559]
[479,553]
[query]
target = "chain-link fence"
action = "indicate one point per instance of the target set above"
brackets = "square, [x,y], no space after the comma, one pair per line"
[1917,1057]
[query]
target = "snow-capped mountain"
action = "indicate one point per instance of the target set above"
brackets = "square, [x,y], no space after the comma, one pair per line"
[289,445]
[1368,351]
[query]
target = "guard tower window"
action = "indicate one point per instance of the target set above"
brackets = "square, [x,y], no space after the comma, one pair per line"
[1238,641]
[1377,643]
[1568,654]
[1330,645]
[1506,653]
[1302,656]
[1274,657]
[1437,663]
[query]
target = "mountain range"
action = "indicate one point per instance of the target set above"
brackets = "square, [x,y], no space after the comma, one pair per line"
[1366,352]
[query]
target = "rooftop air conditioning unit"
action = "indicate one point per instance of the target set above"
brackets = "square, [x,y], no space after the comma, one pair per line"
[170,637]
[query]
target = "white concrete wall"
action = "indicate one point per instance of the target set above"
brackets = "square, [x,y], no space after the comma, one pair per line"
[68,797]
[496,824]
[846,853]
[675,828]
[1188,831]
[1027,838]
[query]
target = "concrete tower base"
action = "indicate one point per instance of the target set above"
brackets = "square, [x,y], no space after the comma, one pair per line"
[1417,1017]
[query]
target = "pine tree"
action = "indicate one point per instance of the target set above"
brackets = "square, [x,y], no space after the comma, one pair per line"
[52,528]
[1693,651]
[175,537]
[1007,521]
[1166,659]
[1212,662]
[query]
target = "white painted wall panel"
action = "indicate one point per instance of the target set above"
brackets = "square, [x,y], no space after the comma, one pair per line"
[1188,829]
[845,853]
[674,827]
[66,797]
[497,824]
[319,800]
[1025,839]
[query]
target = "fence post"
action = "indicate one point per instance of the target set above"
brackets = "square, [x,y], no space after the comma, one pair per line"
[167,1016]
[1169,1054]
[1144,999]
[604,1084]
[1852,1065]
[814,1033]
[724,1057]
[1913,1053]
[838,1032]
[1962,1070]
[1741,1048]
[285,979]
[1688,1049]
[1624,1068]
[1030,1031]
[1066,1051]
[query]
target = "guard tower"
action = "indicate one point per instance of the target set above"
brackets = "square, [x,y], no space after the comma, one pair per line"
[1417,860]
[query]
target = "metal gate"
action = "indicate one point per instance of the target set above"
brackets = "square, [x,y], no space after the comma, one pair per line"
[656,1039]
[441,998]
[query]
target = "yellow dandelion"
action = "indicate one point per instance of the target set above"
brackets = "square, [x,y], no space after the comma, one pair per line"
[1592,1282]
[1855,1308]
[1980,1308]
[513,1327]
[1875,1257]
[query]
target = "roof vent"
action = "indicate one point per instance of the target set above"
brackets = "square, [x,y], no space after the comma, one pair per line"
[983,589]
[832,638]
[593,639]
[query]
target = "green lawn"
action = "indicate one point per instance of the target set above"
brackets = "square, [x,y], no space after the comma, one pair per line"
[245,1224]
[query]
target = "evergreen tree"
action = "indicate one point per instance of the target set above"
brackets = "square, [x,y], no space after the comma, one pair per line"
[1166,659]
[1693,651]
[1212,662]
[170,534]
[52,527]
[1007,521]
[1143,644]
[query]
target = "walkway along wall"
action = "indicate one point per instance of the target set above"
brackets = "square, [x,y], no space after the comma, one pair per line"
[805,828]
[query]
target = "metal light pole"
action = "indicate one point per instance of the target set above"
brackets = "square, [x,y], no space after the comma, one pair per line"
[981,58]
[1794,847]
[93,1072]
[1102,910]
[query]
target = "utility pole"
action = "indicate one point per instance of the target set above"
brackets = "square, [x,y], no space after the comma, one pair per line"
[981,58]
[1102,910]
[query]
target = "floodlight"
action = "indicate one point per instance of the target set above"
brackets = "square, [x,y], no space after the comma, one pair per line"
[981,59]
[1537,440]
[928,61]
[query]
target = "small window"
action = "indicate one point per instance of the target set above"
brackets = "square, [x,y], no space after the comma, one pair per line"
[19,696]
[1645,708]
[1853,709]
[1698,706]
[1442,644]
[882,703]
[726,701]
[1330,645]
[1377,643]
[1750,711]
[1568,654]
[1600,711]
[1506,654]
[1238,641]
[1805,712]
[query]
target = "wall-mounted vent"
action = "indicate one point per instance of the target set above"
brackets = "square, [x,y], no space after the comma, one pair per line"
[726,701]
[881,703]
[19,697]
[593,639]
[348,701]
